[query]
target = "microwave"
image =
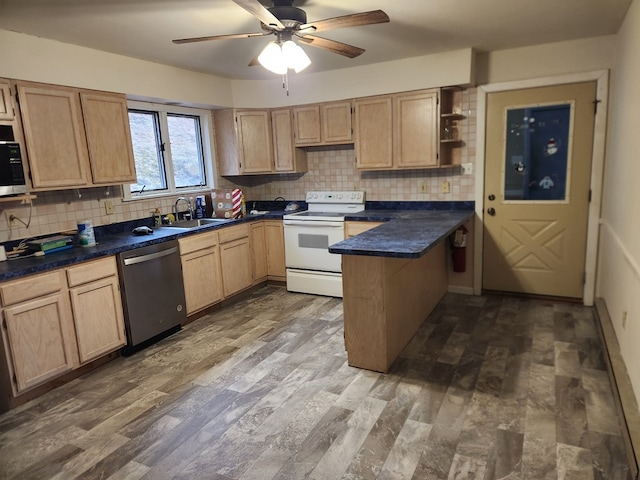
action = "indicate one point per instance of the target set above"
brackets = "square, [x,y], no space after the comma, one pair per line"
[12,181]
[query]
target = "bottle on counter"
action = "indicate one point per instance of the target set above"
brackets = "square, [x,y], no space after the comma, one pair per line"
[243,206]
[200,206]
[157,218]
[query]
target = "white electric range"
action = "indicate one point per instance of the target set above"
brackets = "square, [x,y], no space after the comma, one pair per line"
[307,236]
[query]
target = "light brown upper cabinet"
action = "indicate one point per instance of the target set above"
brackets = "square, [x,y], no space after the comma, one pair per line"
[374,133]
[323,124]
[397,131]
[287,158]
[75,138]
[6,103]
[415,129]
[243,141]
[250,142]
[450,118]
[106,123]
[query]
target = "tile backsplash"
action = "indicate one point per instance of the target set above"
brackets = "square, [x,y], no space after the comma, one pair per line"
[329,169]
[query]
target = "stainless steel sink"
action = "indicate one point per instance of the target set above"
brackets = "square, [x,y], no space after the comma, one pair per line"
[198,222]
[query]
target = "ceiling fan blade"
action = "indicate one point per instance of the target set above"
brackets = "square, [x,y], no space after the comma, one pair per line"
[254,61]
[333,46]
[354,20]
[255,8]
[219,37]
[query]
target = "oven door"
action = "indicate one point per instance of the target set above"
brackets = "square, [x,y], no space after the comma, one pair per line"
[306,244]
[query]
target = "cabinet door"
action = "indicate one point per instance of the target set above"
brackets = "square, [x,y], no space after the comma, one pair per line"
[106,122]
[255,147]
[306,125]
[6,103]
[274,240]
[258,252]
[202,279]
[336,122]
[55,137]
[416,129]
[283,148]
[235,259]
[98,318]
[39,337]
[374,127]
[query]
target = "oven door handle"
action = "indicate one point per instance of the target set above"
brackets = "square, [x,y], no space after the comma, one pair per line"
[313,223]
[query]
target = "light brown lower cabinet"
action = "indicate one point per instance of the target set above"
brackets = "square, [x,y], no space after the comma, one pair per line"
[274,242]
[38,333]
[201,273]
[55,322]
[97,308]
[259,252]
[235,259]
[356,228]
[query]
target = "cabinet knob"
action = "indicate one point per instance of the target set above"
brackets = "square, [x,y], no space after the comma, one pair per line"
[492,197]
[491,211]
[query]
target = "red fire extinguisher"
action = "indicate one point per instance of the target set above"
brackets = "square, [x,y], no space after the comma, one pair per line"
[459,249]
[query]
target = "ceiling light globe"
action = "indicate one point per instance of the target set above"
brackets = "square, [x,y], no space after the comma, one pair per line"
[295,57]
[272,59]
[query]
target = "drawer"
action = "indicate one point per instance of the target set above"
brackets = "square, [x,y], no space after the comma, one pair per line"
[233,233]
[90,271]
[198,242]
[32,287]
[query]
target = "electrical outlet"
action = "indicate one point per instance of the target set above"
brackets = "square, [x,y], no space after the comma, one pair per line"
[108,207]
[624,319]
[9,214]
[422,186]
[445,187]
[467,168]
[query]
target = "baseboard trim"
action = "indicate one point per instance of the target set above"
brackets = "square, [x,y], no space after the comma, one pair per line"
[462,290]
[623,391]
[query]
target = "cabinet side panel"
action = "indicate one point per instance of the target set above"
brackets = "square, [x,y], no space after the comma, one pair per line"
[364,312]
[226,146]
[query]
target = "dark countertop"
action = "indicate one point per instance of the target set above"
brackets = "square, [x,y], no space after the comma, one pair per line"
[111,244]
[405,233]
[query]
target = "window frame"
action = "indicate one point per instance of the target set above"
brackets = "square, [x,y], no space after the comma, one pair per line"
[206,136]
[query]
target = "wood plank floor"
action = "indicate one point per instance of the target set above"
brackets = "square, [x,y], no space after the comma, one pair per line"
[491,387]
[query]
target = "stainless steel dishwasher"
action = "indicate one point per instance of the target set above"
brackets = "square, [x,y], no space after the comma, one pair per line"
[152,293]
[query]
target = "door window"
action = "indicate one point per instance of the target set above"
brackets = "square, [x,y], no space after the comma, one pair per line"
[537,148]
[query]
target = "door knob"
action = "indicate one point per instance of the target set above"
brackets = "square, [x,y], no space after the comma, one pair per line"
[491,211]
[492,197]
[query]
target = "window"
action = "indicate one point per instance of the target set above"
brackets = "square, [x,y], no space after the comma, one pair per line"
[172,150]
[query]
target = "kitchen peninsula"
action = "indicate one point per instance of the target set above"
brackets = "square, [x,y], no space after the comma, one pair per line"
[393,277]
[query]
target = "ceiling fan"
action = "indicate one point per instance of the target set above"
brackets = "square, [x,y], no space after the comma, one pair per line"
[286,21]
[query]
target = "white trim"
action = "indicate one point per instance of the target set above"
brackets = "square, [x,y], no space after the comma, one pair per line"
[601,77]
[206,124]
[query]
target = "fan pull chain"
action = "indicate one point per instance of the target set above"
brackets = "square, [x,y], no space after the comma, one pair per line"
[285,81]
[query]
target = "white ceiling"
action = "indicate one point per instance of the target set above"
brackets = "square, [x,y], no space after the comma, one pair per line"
[144,28]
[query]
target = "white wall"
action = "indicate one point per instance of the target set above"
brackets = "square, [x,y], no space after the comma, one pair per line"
[574,56]
[31,58]
[619,257]
[37,59]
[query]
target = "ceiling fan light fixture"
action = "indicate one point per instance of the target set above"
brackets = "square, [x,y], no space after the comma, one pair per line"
[272,59]
[278,59]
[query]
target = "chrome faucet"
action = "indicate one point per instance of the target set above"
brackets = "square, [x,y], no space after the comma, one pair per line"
[175,207]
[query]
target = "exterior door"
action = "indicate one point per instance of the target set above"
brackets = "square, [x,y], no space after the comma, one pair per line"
[538,166]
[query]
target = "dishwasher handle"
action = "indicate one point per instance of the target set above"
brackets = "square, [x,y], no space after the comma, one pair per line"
[150,256]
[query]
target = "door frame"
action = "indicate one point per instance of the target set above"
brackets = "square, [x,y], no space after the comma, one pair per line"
[601,77]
